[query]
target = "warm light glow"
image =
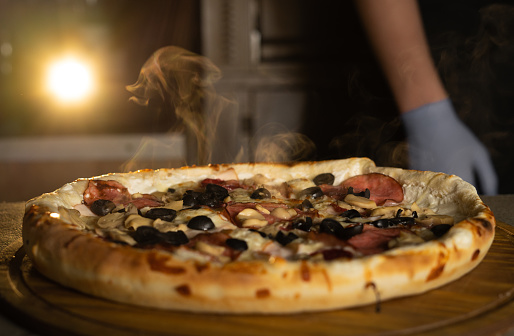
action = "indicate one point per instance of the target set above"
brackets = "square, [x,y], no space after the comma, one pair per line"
[70,80]
[55,215]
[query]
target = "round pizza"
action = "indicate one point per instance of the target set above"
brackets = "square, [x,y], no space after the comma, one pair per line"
[259,237]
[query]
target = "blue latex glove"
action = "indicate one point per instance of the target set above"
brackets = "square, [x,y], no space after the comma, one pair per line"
[439,141]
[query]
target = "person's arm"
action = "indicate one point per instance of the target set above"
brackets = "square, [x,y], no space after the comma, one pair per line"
[396,33]
[438,140]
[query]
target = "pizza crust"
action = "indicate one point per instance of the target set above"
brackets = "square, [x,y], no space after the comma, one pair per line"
[159,279]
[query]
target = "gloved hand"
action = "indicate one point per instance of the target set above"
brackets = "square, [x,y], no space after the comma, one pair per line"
[439,141]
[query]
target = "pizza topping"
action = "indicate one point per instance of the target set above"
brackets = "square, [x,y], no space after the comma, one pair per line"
[134,221]
[335,228]
[102,207]
[260,193]
[114,191]
[164,214]
[360,201]
[434,220]
[303,224]
[325,178]
[284,239]
[306,205]
[147,235]
[283,213]
[311,192]
[440,230]
[382,187]
[201,223]
[111,220]
[223,220]
[106,190]
[373,240]
[237,244]
[366,193]
[213,196]
[350,214]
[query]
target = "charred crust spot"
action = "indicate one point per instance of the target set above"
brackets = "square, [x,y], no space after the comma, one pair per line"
[486,224]
[475,255]
[305,272]
[262,293]
[438,270]
[201,267]
[158,263]
[373,287]
[183,290]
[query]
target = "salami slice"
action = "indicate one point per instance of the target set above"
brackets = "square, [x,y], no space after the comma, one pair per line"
[373,240]
[381,187]
[107,190]
[227,184]
[114,191]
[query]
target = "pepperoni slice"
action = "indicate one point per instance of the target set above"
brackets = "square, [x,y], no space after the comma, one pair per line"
[381,187]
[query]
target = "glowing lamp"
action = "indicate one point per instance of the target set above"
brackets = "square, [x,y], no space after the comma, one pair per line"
[70,80]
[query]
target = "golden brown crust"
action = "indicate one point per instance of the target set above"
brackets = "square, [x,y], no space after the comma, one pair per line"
[159,279]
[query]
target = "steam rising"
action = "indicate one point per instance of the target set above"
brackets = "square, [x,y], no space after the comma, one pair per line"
[284,147]
[184,82]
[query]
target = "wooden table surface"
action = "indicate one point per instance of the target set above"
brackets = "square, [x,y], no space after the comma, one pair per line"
[481,303]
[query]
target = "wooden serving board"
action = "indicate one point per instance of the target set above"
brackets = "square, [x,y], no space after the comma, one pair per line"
[480,303]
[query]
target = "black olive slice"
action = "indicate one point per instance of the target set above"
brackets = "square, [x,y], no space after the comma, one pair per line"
[312,192]
[260,193]
[381,223]
[330,226]
[147,235]
[164,214]
[216,191]
[208,199]
[102,207]
[306,205]
[303,224]
[352,213]
[284,239]
[350,231]
[262,234]
[237,244]
[441,229]
[366,193]
[202,223]
[175,238]
[190,198]
[405,221]
[325,178]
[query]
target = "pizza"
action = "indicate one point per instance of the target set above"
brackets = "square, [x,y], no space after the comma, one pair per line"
[259,237]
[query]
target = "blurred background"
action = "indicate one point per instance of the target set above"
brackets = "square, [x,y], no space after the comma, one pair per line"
[301,69]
